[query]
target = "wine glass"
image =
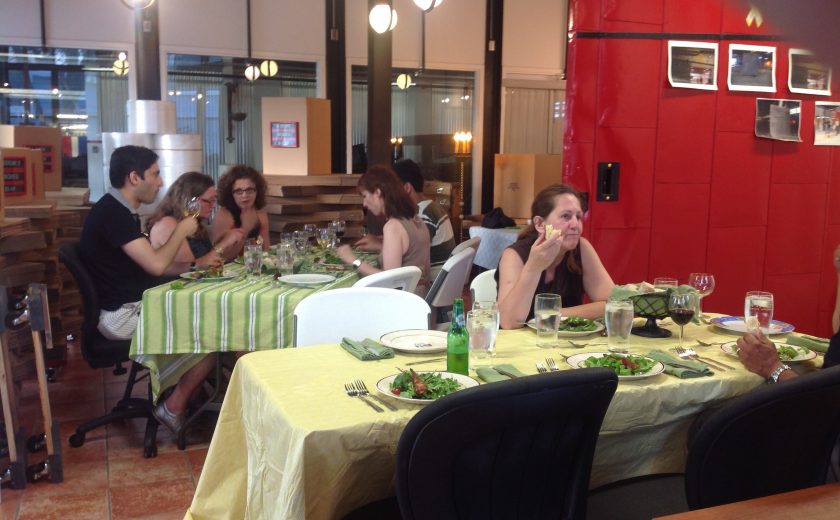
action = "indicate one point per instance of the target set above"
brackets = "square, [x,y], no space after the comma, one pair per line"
[192,208]
[681,306]
[310,231]
[758,311]
[339,226]
[705,285]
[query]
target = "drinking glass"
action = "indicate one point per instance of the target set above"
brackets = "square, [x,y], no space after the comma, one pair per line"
[310,231]
[705,285]
[488,305]
[681,307]
[758,311]
[301,240]
[618,317]
[547,311]
[192,208]
[338,226]
[286,238]
[665,282]
[326,238]
[482,326]
[253,259]
[285,258]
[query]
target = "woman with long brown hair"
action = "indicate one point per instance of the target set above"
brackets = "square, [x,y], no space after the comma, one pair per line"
[405,239]
[242,192]
[550,256]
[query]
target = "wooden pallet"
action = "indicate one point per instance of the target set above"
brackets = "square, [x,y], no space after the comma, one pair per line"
[295,200]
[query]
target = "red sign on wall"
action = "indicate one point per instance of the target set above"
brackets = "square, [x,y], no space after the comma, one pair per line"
[14,176]
[47,154]
[284,134]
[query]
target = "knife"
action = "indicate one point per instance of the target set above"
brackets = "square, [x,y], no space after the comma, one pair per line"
[426,361]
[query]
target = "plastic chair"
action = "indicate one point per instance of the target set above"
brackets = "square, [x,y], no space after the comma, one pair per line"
[402,278]
[778,438]
[521,448]
[101,352]
[449,283]
[435,269]
[357,312]
[483,287]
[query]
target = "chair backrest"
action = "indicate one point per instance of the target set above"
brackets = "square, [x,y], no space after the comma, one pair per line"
[97,350]
[472,242]
[357,313]
[483,287]
[449,283]
[521,448]
[403,278]
[775,439]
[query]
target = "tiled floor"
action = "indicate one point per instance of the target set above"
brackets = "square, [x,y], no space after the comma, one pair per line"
[107,478]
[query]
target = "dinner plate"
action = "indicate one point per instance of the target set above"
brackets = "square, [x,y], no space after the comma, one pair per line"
[804,353]
[736,324]
[576,361]
[569,333]
[431,341]
[191,275]
[306,279]
[384,385]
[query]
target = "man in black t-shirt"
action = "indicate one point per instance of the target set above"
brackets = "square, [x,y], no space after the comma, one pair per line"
[122,262]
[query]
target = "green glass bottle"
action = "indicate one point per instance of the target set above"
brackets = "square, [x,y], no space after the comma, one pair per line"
[458,341]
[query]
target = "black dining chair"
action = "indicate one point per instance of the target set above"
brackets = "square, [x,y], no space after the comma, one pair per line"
[778,438]
[101,352]
[515,449]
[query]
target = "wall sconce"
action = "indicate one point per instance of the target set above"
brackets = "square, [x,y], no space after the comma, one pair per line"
[383,17]
[138,4]
[252,72]
[463,142]
[120,66]
[396,148]
[268,68]
[404,81]
[427,5]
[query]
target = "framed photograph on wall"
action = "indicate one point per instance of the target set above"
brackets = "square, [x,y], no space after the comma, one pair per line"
[778,119]
[806,75]
[284,134]
[826,123]
[693,65]
[752,67]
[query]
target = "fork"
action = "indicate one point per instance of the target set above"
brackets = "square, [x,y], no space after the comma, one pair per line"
[581,345]
[707,344]
[541,368]
[551,364]
[688,353]
[352,392]
[362,388]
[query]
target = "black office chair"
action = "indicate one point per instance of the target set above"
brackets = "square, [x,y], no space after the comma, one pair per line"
[778,438]
[515,449]
[100,352]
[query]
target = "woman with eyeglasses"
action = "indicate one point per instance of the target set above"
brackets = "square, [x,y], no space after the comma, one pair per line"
[242,192]
[198,251]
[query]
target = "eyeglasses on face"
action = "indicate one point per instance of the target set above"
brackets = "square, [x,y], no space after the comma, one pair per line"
[244,191]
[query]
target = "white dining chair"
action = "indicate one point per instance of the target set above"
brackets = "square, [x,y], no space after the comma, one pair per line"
[403,278]
[483,287]
[449,283]
[357,313]
[473,242]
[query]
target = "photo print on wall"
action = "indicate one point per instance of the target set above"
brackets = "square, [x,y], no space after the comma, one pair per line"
[752,68]
[778,119]
[806,75]
[826,123]
[692,65]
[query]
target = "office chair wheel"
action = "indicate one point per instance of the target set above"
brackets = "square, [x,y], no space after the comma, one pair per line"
[36,443]
[37,471]
[77,439]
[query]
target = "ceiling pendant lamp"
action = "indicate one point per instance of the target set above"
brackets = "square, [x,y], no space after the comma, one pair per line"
[252,72]
[268,68]
[404,81]
[138,4]
[427,5]
[383,17]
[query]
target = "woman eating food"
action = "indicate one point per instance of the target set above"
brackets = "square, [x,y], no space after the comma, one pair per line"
[550,256]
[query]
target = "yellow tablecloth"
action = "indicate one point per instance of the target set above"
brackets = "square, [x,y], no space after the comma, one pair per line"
[290,444]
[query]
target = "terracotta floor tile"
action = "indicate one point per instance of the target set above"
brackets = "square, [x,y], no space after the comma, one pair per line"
[81,506]
[79,478]
[164,497]
[196,459]
[73,411]
[138,470]
[67,392]
[10,503]
[126,444]
[93,450]
[172,515]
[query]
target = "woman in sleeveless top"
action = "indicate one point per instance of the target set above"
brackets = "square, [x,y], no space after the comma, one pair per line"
[405,239]
[197,250]
[562,263]
[242,192]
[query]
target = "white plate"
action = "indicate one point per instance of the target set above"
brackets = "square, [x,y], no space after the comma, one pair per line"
[571,334]
[384,385]
[576,361]
[736,324]
[804,353]
[407,341]
[306,279]
[226,275]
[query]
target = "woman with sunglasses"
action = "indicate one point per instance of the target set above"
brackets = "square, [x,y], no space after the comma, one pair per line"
[197,251]
[242,192]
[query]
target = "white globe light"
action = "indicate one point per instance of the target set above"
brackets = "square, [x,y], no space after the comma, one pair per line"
[428,5]
[120,67]
[252,72]
[269,68]
[382,18]
[404,81]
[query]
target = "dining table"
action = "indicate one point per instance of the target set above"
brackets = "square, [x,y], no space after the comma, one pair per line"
[290,442]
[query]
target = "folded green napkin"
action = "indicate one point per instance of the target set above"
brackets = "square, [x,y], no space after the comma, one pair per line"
[367,349]
[697,369]
[810,342]
[491,374]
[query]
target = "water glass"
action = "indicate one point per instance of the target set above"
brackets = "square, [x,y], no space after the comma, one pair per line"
[547,311]
[285,258]
[326,238]
[482,326]
[310,231]
[253,260]
[758,311]
[300,239]
[286,238]
[618,317]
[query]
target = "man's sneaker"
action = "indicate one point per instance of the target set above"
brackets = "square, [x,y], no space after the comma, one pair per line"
[173,422]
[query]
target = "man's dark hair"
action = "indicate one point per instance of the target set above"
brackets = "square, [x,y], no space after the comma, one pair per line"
[408,171]
[127,159]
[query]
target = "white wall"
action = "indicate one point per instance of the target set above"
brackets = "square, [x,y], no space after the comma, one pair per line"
[533,38]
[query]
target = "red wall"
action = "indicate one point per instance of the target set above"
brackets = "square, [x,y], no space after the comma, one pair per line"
[698,190]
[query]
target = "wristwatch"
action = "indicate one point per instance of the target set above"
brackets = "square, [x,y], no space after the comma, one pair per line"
[357,263]
[774,375]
